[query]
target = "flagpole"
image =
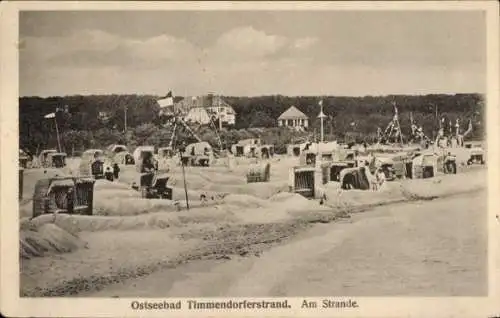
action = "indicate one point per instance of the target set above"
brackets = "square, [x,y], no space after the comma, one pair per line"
[125,118]
[185,186]
[57,133]
[218,111]
[322,123]
[321,116]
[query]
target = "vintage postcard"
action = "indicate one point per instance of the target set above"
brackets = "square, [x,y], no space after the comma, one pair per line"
[193,159]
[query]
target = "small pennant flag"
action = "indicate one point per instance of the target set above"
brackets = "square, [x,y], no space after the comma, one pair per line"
[51,115]
[104,116]
[320,103]
[395,111]
[167,101]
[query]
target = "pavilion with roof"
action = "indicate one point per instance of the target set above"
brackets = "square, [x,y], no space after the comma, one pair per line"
[293,118]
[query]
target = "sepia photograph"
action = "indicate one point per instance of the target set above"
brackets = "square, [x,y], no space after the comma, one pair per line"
[194,153]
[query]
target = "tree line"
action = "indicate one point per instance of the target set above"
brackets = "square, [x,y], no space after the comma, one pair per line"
[82,125]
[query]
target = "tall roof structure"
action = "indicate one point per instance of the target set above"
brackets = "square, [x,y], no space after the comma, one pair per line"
[292,113]
[204,101]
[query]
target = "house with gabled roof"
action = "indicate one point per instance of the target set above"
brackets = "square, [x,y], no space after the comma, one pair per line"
[203,109]
[293,118]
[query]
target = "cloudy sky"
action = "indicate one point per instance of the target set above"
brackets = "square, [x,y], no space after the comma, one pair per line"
[251,53]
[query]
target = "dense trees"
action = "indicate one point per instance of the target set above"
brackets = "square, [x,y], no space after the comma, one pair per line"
[352,118]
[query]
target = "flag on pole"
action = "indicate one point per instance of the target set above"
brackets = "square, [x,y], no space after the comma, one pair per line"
[167,101]
[321,114]
[51,115]
[104,116]
[441,132]
[413,128]
[395,111]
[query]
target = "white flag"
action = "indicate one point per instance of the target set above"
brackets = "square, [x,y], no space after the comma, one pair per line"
[51,115]
[320,103]
[167,101]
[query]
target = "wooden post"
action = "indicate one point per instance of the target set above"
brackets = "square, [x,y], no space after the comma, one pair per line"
[125,118]
[184,177]
[57,132]
[219,112]
[322,116]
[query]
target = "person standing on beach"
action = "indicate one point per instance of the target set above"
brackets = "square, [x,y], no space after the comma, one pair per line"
[116,170]
[380,178]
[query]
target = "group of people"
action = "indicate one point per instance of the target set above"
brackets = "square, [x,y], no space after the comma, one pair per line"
[377,177]
[100,171]
[364,177]
[111,175]
[149,164]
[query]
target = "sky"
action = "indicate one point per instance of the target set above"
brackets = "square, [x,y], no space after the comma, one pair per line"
[249,53]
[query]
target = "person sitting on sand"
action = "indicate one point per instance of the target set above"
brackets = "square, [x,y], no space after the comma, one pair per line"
[203,199]
[147,164]
[108,174]
[129,160]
